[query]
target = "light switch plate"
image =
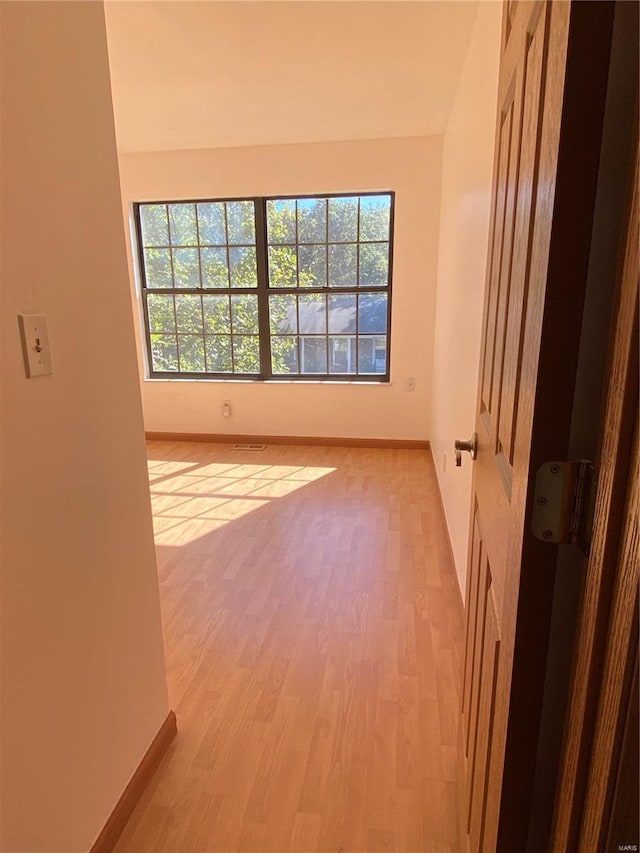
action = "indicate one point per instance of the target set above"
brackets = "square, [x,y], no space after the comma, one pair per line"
[35,344]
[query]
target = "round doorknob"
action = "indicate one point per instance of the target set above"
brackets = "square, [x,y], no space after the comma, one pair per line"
[470,446]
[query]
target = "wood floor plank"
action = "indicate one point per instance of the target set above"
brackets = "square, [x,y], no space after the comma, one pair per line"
[313,634]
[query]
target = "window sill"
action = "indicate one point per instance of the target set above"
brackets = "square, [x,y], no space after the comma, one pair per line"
[233,381]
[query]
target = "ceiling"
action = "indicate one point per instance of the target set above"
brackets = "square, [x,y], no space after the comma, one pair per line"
[207,74]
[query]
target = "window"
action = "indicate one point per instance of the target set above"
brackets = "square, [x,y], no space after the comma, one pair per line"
[268,288]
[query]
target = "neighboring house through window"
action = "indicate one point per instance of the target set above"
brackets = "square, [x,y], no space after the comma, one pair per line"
[268,288]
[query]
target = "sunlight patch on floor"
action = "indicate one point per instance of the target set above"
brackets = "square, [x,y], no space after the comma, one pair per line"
[190,500]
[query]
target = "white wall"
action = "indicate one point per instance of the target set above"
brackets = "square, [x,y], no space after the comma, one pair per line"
[83,684]
[466,191]
[412,168]
[223,74]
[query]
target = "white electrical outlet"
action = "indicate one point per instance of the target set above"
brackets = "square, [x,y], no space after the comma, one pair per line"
[35,344]
[410,384]
[226,409]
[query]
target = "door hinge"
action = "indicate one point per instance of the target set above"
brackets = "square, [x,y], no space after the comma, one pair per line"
[563,503]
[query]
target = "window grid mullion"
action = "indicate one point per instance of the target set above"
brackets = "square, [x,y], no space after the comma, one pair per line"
[297,247]
[326,267]
[262,269]
[226,245]
[233,355]
[208,245]
[204,334]
[298,333]
[220,291]
[298,336]
[332,291]
[173,279]
[229,300]
[196,290]
[357,364]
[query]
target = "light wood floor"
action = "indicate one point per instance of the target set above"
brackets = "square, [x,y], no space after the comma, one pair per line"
[313,634]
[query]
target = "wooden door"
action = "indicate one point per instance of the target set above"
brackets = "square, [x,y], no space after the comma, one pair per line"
[597,794]
[551,96]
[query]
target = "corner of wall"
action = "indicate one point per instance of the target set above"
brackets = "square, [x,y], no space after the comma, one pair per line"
[83,678]
[464,229]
